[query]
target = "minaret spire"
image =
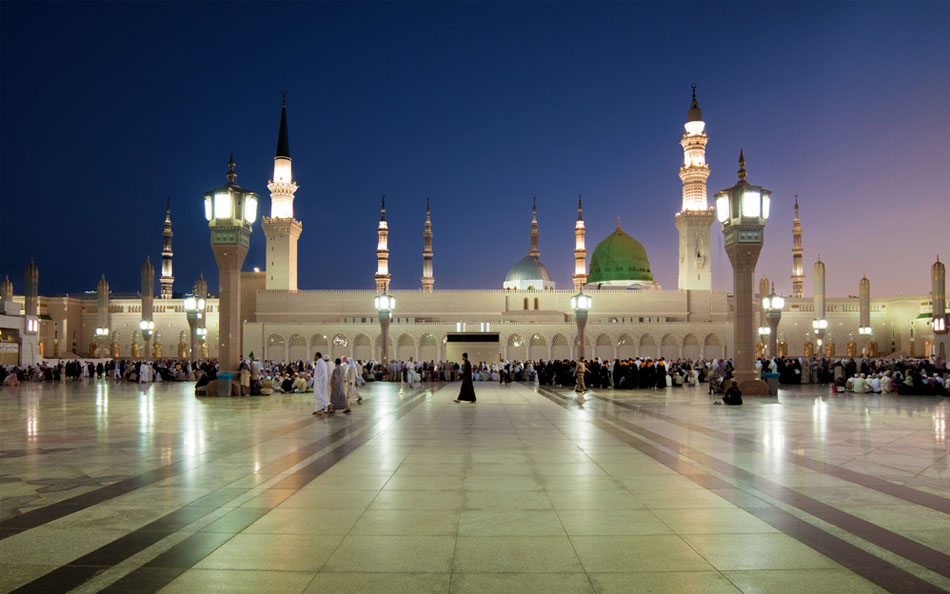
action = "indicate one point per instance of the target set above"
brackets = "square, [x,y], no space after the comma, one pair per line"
[535,252]
[695,219]
[580,251]
[281,228]
[428,278]
[382,250]
[167,279]
[798,268]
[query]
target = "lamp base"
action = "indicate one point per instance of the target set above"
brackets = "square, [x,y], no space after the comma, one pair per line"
[754,387]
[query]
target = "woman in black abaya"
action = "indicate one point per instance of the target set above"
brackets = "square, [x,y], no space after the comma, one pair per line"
[467,393]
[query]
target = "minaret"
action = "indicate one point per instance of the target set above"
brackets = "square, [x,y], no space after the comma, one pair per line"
[148,294]
[382,251]
[819,280]
[695,219]
[102,302]
[864,302]
[428,279]
[167,279]
[798,271]
[31,304]
[763,291]
[6,290]
[580,251]
[201,292]
[535,252]
[280,228]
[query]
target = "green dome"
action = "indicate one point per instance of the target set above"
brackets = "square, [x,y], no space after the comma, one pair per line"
[619,258]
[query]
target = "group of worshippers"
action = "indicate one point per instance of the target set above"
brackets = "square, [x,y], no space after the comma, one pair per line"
[623,374]
[341,382]
[883,376]
[112,369]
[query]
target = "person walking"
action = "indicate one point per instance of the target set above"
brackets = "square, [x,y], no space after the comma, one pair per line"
[581,387]
[338,398]
[467,391]
[322,403]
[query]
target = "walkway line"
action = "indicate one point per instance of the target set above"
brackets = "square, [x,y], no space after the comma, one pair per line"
[879,571]
[168,565]
[908,494]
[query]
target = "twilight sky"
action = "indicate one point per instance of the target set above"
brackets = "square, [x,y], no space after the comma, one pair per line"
[109,108]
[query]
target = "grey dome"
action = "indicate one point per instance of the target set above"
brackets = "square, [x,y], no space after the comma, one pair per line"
[528,268]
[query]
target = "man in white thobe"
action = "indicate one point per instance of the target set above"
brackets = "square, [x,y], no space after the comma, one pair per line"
[320,376]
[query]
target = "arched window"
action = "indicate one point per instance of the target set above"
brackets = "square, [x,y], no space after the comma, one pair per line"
[526,303]
[537,303]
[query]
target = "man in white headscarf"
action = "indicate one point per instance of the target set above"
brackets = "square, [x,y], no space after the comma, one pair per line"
[352,376]
[322,403]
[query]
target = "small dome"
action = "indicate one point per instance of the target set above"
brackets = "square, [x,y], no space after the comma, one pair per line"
[621,258]
[528,268]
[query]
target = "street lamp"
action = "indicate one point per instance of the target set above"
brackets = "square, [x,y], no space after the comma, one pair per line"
[148,328]
[743,210]
[230,211]
[194,308]
[384,304]
[773,305]
[819,326]
[581,304]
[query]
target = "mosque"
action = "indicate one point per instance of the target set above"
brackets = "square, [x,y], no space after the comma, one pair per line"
[528,316]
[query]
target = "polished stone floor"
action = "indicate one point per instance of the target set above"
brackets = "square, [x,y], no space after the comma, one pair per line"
[107,487]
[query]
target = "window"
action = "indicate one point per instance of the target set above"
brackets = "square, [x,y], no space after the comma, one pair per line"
[526,303]
[537,303]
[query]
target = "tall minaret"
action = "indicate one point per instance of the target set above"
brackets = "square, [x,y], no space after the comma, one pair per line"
[535,252]
[580,251]
[864,302]
[819,286]
[428,279]
[167,279]
[6,290]
[382,251]
[763,291]
[280,228]
[695,219]
[31,277]
[798,271]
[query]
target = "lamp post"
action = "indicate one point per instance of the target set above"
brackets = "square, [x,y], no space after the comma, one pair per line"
[194,308]
[743,210]
[384,304]
[773,305]
[230,211]
[581,304]
[819,327]
[148,328]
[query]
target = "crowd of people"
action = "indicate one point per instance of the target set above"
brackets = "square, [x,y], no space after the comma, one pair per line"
[257,377]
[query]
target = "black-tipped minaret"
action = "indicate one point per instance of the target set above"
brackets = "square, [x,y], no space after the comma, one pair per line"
[283,144]
[695,114]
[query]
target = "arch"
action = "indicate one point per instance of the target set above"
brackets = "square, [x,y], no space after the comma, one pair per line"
[691,347]
[362,348]
[537,348]
[604,347]
[275,348]
[626,347]
[712,346]
[537,303]
[526,303]
[669,348]
[647,348]
[339,346]
[318,342]
[297,348]
[405,347]
[517,348]
[560,347]
[428,348]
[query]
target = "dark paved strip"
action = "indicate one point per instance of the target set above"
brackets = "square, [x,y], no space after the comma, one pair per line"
[936,502]
[872,568]
[43,515]
[170,564]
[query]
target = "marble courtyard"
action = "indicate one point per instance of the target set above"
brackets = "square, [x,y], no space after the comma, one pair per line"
[107,487]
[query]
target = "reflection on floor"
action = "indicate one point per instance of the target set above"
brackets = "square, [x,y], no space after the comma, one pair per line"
[110,487]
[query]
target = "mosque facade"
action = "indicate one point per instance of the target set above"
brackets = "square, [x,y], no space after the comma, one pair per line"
[527,317]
